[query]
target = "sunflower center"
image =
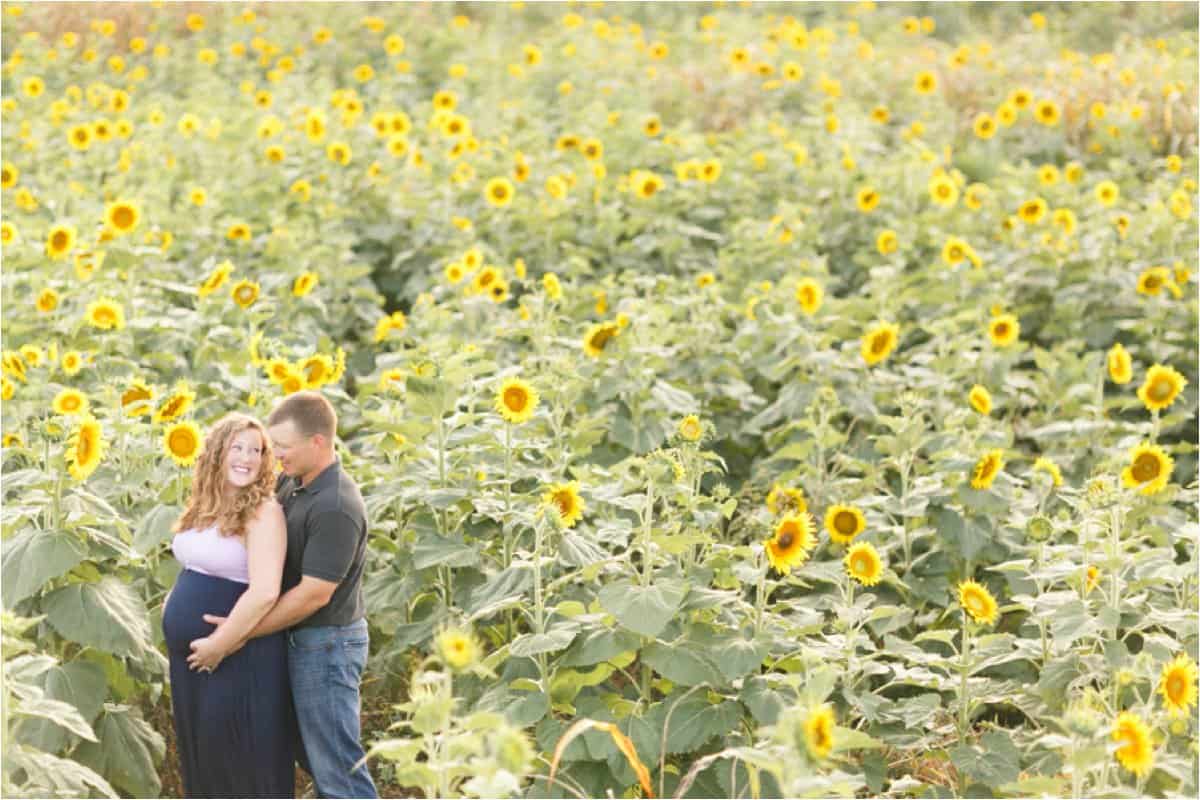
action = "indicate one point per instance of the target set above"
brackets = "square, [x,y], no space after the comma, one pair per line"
[182,443]
[600,338]
[879,343]
[845,522]
[123,217]
[105,316]
[1146,467]
[1002,329]
[1153,282]
[564,502]
[1175,688]
[1160,389]
[515,399]
[84,450]
[861,564]
[975,603]
[70,403]
[821,734]
[59,240]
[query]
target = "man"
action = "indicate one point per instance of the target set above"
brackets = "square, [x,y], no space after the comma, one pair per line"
[321,600]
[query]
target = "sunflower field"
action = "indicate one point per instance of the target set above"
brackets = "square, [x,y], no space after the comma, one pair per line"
[750,400]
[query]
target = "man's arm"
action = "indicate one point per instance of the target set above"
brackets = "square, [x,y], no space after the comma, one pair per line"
[297,603]
[328,553]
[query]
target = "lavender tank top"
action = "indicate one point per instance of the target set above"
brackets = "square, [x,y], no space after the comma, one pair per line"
[208,552]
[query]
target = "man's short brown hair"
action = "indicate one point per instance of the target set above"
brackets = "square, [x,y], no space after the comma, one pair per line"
[310,412]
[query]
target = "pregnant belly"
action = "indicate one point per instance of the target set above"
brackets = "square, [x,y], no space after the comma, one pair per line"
[195,595]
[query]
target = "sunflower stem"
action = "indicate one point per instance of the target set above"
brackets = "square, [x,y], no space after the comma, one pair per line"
[760,600]
[647,518]
[1041,617]
[963,668]
[504,532]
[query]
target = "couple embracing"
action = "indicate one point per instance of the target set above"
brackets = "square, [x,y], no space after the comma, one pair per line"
[264,625]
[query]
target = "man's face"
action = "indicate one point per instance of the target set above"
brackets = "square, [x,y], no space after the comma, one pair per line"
[294,451]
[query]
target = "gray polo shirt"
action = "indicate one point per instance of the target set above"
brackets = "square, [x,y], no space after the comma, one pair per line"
[327,539]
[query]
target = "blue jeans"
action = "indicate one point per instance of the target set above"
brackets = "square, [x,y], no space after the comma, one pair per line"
[325,664]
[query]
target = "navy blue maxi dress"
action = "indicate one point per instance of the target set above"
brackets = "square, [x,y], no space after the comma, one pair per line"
[235,727]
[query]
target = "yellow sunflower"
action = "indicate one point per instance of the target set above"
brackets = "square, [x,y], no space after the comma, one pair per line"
[60,241]
[690,428]
[181,441]
[809,295]
[1004,329]
[818,731]
[1149,468]
[516,400]
[72,362]
[497,292]
[791,543]
[977,601]
[216,279]
[1178,684]
[598,336]
[85,448]
[317,370]
[984,126]
[943,190]
[1032,211]
[565,497]
[499,192]
[786,500]
[457,648]
[1152,281]
[176,405]
[863,563]
[244,293]
[1043,464]
[136,400]
[887,242]
[1092,580]
[105,314]
[1047,112]
[986,469]
[552,285]
[304,283]
[925,82]
[867,199]
[70,401]
[47,301]
[980,399]
[1107,193]
[122,216]
[1161,387]
[238,231]
[646,184]
[484,278]
[1136,752]
[1120,364]
[844,523]
[879,342]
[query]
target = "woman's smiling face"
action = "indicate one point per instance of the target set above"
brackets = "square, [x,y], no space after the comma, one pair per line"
[244,458]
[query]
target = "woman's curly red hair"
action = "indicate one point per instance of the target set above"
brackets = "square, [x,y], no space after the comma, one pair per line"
[208,503]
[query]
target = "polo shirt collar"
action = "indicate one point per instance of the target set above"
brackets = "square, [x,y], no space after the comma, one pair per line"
[327,477]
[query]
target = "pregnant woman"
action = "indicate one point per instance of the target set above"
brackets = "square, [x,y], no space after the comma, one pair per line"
[234,721]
